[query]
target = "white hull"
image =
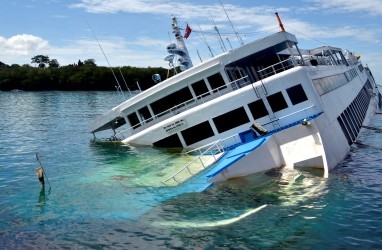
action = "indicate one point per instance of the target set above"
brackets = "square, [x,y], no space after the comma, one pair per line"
[224,96]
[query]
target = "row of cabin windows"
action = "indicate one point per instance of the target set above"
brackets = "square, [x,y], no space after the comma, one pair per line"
[351,119]
[234,118]
[326,84]
[158,107]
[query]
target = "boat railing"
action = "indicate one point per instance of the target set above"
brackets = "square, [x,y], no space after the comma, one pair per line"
[206,158]
[277,68]
[292,62]
[301,114]
[207,96]
[214,93]
[210,153]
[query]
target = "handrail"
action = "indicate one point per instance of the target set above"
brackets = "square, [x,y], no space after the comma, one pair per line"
[273,71]
[220,147]
[263,73]
[195,100]
[293,113]
[211,148]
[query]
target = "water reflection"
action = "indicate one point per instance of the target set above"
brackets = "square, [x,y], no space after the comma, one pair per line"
[42,198]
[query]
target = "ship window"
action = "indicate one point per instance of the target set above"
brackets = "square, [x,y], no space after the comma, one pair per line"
[171,141]
[296,94]
[171,100]
[197,133]
[118,122]
[277,102]
[145,114]
[344,130]
[348,126]
[231,120]
[351,121]
[133,119]
[216,81]
[258,109]
[200,88]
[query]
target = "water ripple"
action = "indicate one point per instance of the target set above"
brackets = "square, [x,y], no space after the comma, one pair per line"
[109,196]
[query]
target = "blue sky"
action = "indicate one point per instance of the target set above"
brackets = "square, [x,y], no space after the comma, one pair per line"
[136,32]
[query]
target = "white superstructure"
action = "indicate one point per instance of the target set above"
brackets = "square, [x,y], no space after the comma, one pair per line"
[311,103]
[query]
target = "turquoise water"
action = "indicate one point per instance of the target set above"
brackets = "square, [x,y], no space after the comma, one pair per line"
[111,196]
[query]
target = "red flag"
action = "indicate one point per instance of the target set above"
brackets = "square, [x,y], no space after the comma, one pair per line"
[188,32]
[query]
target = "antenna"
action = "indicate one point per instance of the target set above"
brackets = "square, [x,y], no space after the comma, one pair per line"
[229,42]
[208,46]
[124,80]
[222,45]
[112,71]
[197,51]
[237,34]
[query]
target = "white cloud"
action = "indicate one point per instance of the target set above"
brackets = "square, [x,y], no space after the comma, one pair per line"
[188,10]
[22,45]
[245,19]
[251,22]
[116,51]
[372,7]
[321,33]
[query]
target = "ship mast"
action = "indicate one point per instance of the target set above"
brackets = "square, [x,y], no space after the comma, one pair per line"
[178,49]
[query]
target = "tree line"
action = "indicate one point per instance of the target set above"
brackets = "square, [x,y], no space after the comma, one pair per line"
[49,75]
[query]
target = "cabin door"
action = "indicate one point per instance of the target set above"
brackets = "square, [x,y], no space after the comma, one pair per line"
[238,77]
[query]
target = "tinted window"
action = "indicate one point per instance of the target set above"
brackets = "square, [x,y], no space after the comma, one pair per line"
[216,81]
[277,102]
[296,94]
[258,109]
[171,141]
[200,88]
[171,100]
[231,120]
[145,114]
[197,133]
[133,119]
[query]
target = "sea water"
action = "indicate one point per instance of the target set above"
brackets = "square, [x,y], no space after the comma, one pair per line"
[111,196]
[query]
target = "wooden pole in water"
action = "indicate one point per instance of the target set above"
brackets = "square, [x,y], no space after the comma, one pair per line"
[40,171]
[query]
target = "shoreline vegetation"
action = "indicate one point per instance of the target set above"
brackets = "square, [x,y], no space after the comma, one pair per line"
[48,75]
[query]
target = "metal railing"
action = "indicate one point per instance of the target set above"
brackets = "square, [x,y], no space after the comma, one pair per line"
[200,99]
[296,113]
[277,68]
[214,151]
[212,94]
[217,149]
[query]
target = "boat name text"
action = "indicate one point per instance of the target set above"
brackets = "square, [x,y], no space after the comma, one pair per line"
[175,125]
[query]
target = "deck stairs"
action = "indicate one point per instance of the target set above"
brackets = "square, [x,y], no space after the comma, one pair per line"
[212,159]
[204,157]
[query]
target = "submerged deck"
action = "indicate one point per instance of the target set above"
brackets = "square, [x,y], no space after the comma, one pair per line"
[200,181]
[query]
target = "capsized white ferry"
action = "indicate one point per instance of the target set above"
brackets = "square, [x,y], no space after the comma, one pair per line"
[263,105]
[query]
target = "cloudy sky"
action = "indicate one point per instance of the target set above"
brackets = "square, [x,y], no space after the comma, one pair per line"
[136,32]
